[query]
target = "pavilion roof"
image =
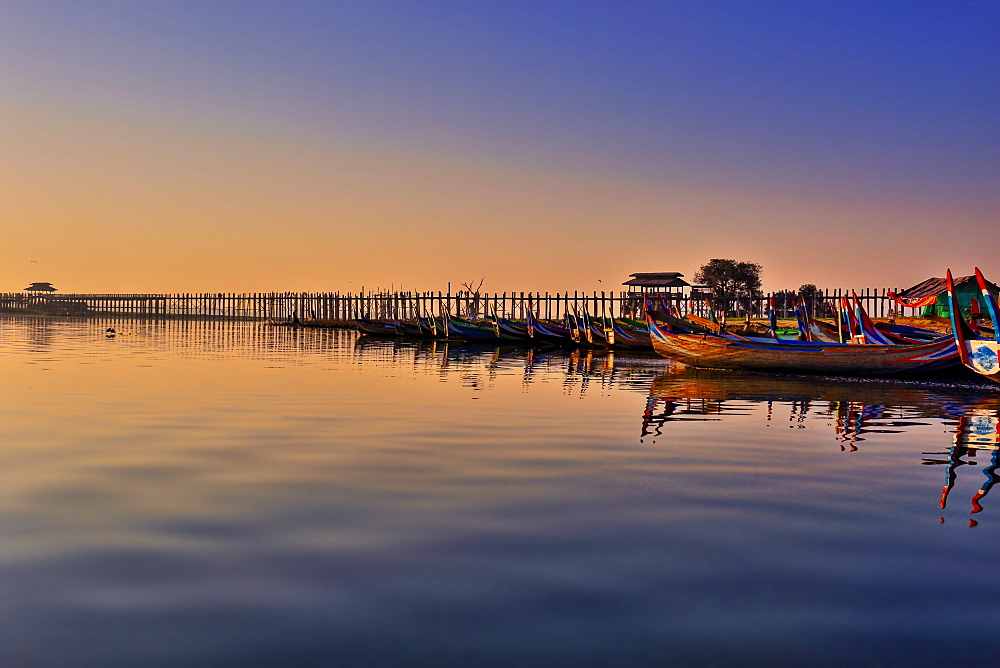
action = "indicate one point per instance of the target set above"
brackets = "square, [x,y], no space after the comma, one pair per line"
[663,279]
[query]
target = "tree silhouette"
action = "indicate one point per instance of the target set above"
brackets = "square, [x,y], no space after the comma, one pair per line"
[730,280]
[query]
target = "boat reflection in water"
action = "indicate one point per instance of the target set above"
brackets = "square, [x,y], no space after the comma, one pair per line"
[581,371]
[978,433]
[223,493]
[853,410]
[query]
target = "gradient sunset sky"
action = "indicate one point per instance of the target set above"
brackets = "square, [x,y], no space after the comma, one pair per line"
[235,146]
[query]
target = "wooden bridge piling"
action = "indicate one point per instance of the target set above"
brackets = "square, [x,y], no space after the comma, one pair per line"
[345,307]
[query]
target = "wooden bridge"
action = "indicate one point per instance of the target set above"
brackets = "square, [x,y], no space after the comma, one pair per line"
[336,307]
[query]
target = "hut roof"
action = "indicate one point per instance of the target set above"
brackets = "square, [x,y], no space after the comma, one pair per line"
[663,279]
[40,287]
[935,286]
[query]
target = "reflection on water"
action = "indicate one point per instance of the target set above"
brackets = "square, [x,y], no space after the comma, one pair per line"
[851,410]
[976,434]
[193,493]
[478,365]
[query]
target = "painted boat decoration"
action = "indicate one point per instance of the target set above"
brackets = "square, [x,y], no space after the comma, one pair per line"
[980,354]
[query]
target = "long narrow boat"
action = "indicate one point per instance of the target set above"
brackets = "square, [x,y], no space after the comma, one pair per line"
[896,333]
[374,327]
[627,336]
[410,328]
[579,326]
[473,330]
[712,351]
[977,353]
[908,334]
[420,328]
[599,336]
[547,331]
[514,329]
[683,325]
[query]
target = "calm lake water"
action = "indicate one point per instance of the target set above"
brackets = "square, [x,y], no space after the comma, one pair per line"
[193,493]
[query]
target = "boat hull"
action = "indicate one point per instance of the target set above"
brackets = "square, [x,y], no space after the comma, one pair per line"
[983,357]
[477,331]
[710,351]
[377,327]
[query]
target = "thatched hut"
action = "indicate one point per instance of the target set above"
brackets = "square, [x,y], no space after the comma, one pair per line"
[932,295]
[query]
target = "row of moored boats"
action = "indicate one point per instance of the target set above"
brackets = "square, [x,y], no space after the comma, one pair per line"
[853,344]
[576,329]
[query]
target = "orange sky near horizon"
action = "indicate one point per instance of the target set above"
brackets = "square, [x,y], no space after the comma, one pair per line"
[95,205]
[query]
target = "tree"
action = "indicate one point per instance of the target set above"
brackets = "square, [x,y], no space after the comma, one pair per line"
[471,298]
[730,280]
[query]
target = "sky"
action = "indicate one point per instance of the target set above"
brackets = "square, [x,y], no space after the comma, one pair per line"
[257,146]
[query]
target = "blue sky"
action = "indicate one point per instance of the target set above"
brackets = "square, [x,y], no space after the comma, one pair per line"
[811,106]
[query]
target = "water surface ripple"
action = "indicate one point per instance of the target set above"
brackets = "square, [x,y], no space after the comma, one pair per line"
[203,493]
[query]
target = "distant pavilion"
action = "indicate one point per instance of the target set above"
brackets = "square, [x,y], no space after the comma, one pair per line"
[664,281]
[40,287]
[668,286]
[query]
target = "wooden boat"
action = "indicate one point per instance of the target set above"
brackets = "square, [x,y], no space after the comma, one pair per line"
[908,334]
[599,336]
[631,337]
[825,332]
[470,331]
[703,324]
[420,328]
[610,333]
[579,328]
[547,331]
[374,327]
[977,353]
[514,329]
[683,325]
[476,330]
[713,351]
